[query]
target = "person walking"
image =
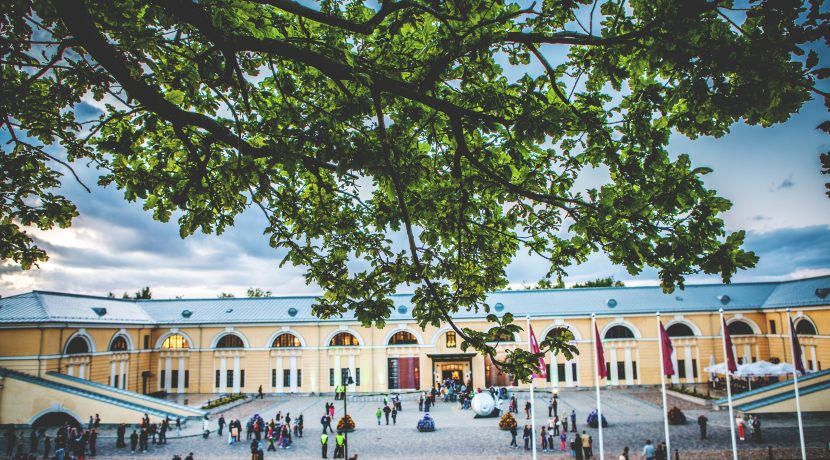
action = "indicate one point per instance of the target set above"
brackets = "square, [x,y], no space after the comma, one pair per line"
[260,394]
[205,427]
[378,414]
[386,411]
[701,423]
[178,426]
[299,426]
[624,454]
[421,403]
[555,427]
[544,440]
[394,415]
[526,437]
[648,450]
[527,410]
[555,406]
[513,433]
[133,441]
[563,439]
[573,421]
[550,408]
[564,424]
[221,424]
[324,443]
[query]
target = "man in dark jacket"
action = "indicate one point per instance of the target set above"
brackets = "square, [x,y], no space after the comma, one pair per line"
[386,411]
[513,433]
[122,430]
[93,443]
[701,422]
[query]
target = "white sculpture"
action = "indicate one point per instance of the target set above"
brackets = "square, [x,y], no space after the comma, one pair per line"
[483,404]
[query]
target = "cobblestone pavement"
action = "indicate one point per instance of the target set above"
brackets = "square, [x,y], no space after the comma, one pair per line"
[460,436]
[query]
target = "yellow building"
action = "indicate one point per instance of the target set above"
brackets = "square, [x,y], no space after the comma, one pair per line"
[237,345]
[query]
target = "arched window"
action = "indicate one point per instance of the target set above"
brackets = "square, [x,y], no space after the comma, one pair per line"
[740,328]
[230,341]
[500,336]
[805,327]
[119,344]
[286,341]
[77,346]
[561,331]
[680,330]
[619,332]
[175,341]
[403,338]
[344,339]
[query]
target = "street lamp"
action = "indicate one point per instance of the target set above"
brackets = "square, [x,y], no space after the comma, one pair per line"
[349,381]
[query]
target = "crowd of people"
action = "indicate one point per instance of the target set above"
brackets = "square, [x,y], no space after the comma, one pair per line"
[278,433]
[77,442]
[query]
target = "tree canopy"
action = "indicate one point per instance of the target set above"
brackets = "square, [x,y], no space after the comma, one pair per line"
[607,281]
[459,128]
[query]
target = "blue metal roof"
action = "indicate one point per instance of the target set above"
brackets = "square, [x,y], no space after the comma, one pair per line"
[39,306]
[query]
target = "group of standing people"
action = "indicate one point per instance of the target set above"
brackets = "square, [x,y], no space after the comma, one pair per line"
[16,445]
[751,424]
[146,433]
[69,442]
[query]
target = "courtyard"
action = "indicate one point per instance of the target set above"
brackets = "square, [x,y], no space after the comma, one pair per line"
[633,416]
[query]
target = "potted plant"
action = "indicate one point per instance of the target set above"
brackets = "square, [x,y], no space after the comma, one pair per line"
[426,423]
[676,416]
[346,424]
[592,420]
[507,421]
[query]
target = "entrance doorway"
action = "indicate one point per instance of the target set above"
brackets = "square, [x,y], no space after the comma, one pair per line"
[457,367]
[454,372]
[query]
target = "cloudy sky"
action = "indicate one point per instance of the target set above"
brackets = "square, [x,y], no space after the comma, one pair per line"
[771,176]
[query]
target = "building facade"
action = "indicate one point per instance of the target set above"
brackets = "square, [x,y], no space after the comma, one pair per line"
[237,345]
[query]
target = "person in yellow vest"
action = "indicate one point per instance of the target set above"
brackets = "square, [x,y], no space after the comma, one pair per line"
[324,441]
[340,443]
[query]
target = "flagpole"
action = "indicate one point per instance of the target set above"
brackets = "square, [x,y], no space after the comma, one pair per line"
[596,384]
[663,385]
[795,383]
[728,390]
[532,403]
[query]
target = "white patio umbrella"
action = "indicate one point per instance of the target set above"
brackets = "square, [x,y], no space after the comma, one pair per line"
[756,369]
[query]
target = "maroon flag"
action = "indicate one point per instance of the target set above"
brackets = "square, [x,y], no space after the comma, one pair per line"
[601,370]
[731,365]
[668,348]
[799,361]
[534,348]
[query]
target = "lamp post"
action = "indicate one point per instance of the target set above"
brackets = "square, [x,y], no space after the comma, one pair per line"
[349,381]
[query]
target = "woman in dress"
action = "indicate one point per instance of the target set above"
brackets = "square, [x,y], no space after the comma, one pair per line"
[739,423]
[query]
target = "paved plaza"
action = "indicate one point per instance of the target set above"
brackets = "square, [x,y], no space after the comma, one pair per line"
[631,415]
